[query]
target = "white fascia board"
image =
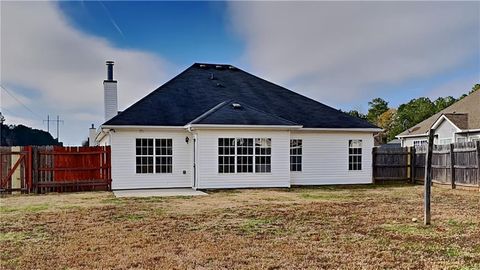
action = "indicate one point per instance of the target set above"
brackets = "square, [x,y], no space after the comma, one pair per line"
[469,130]
[411,136]
[208,126]
[345,129]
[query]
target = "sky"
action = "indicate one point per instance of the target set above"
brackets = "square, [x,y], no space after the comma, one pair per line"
[342,54]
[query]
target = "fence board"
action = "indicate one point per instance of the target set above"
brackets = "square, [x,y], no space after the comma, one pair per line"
[60,169]
[397,164]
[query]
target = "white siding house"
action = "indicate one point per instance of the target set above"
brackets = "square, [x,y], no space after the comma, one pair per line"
[325,158]
[215,126]
[458,123]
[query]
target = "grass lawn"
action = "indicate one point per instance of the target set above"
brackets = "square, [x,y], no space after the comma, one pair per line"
[355,227]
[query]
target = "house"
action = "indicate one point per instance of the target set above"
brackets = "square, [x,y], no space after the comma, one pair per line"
[460,122]
[217,126]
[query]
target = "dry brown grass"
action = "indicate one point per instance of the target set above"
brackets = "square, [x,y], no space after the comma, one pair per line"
[356,227]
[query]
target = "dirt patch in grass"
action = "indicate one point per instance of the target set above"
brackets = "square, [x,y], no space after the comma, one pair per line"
[347,227]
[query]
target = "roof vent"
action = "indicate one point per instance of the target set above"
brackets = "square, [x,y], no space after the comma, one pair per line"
[212,77]
[236,105]
[219,85]
[232,67]
[219,67]
[202,66]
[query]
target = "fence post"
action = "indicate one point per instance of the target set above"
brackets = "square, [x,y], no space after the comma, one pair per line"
[477,144]
[428,178]
[374,158]
[452,165]
[412,164]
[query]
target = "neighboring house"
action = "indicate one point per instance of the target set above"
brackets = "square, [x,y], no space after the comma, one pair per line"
[459,122]
[216,126]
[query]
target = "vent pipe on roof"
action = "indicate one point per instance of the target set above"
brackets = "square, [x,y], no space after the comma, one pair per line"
[110,93]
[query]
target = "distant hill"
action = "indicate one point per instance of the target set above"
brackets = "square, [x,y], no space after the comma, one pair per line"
[20,135]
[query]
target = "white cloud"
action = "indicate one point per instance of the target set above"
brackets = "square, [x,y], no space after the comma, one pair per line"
[64,68]
[339,52]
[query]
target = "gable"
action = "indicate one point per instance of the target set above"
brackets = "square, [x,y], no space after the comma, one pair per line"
[201,87]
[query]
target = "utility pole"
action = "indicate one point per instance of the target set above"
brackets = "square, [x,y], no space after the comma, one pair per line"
[48,123]
[58,121]
[58,128]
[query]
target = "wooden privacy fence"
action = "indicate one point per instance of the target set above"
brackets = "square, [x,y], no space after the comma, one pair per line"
[55,168]
[452,164]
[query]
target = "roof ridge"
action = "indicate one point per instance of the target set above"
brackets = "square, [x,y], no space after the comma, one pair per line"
[267,113]
[210,111]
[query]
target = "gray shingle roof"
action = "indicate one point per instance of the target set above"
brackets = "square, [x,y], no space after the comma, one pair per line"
[201,87]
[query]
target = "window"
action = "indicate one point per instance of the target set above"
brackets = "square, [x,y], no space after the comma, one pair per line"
[263,155]
[475,139]
[152,154]
[461,139]
[241,155]
[163,155]
[244,155]
[226,155]
[419,143]
[355,155]
[445,141]
[295,155]
[144,155]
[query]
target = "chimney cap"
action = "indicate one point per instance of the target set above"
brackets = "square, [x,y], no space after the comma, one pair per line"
[109,62]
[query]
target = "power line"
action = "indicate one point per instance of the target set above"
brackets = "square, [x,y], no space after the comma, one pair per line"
[21,103]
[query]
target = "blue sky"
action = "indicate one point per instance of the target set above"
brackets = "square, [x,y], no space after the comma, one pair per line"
[339,53]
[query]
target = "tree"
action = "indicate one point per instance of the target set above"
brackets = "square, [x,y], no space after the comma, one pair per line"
[412,113]
[21,135]
[443,102]
[376,107]
[357,114]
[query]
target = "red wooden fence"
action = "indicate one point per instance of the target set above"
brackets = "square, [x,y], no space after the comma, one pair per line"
[61,169]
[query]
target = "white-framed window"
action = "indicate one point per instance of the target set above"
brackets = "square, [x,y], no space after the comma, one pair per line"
[419,142]
[263,155]
[226,155]
[163,155]
[153,155]
[295,155]
[461,139]
[144,155]
[445,141]
[244,155]
[475,138]
[355,155]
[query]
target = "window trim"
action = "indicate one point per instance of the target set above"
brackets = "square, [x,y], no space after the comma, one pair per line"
[235,155]
[154,155]
[351,164]
[296,155]
[160,155]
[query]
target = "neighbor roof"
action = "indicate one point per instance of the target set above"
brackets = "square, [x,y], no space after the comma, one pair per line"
[202,87]
[465,114]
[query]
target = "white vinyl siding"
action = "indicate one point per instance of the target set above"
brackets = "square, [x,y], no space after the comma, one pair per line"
[325,158]
[208,175]
[124,174]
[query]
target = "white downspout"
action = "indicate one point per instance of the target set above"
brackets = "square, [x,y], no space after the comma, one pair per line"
[194,136]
